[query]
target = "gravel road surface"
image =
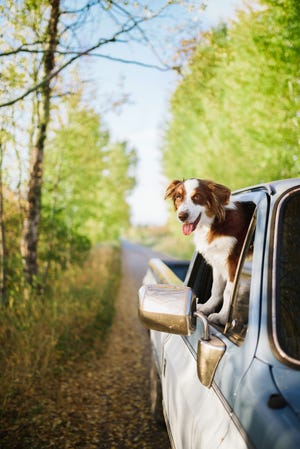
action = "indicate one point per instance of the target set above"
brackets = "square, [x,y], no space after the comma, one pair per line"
[125,420]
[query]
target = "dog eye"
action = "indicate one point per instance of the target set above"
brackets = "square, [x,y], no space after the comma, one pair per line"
[178,196]
[196,197]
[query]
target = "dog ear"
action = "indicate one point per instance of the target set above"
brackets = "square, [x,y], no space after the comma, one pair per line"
[222,192]
[171,188]
[220,196]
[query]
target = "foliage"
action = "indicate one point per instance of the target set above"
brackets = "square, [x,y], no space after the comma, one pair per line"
[81,32]
[60,244]
[39,337]
[42,39]
[87,177]
[12,218]
[234,115]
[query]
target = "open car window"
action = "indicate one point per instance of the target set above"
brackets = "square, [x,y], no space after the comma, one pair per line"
[200,280]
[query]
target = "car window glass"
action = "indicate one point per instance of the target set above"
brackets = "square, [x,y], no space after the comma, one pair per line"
[288,277]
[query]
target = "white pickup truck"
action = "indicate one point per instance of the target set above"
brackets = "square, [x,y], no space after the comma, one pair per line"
[237,386]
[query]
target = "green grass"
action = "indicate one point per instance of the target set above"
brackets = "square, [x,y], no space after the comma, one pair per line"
[40,335]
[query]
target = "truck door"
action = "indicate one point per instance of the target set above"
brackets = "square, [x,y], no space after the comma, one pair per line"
[201,417]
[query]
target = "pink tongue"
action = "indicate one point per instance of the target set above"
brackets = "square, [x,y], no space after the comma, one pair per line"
[187,228]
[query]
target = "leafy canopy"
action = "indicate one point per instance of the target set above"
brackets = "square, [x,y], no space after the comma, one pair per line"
[87,177]
[234,115]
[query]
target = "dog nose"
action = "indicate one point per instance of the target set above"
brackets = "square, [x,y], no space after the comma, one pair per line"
[183,216]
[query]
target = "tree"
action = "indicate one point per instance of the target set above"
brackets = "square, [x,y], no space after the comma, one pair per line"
[29,239]
[235,110]
[87,177]
[53,35]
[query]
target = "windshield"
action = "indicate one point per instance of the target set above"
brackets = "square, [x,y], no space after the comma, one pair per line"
[288,276]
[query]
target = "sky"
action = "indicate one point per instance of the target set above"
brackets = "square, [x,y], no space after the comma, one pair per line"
[141,121]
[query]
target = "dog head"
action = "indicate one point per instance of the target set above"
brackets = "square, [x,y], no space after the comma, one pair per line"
[198,200]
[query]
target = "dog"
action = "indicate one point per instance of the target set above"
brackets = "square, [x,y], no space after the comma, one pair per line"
[220,227]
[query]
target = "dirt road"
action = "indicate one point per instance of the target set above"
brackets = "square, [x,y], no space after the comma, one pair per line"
[97,402]
[125,421]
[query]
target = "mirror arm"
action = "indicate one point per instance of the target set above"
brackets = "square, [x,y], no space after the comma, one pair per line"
[210,351]
[203,318]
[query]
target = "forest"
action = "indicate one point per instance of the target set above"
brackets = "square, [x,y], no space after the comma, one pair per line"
[235,113]
[61,211]
[233,117]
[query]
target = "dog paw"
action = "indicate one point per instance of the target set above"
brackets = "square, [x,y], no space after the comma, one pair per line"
[202,308]
[217,318]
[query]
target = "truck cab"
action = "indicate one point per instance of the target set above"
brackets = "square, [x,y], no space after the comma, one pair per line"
[236,386]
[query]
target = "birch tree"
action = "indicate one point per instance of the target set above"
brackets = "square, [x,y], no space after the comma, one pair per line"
[29,239]
[45,38]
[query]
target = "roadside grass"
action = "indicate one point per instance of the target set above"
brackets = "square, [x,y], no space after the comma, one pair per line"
[43,339]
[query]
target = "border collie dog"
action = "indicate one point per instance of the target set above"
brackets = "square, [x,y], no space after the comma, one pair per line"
[220,227]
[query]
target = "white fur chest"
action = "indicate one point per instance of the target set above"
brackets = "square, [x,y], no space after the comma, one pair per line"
[215,252]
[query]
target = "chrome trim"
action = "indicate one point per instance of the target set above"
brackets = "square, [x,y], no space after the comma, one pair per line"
[279,352]
[210,350]
[171,439]
[241,265]
[268,188]
[189,346]
[167,308]
[227,409]
[233,416]
[206,331]
[162,273]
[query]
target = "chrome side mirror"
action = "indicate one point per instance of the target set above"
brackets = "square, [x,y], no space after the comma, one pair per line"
[209,353]
[167,308]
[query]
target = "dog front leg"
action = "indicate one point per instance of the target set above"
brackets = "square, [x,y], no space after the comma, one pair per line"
[216,294]
[222,316]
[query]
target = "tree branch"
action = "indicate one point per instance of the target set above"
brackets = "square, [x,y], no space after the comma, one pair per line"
[163,68]
[127,28]
[43,82]
[137,25]
[22,49]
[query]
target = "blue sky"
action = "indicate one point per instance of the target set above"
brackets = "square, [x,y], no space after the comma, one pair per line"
[141,121]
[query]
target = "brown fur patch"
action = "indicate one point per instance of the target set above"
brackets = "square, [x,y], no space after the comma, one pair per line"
[214,196]
[176,191]
[172,188]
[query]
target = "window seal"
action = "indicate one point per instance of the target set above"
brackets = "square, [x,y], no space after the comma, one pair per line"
[278,351]
[238,341]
